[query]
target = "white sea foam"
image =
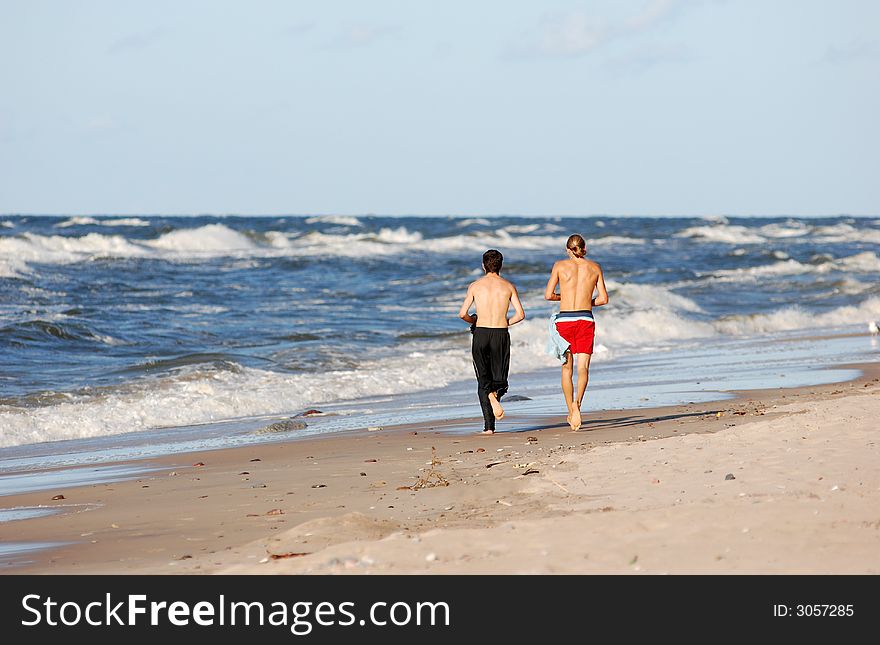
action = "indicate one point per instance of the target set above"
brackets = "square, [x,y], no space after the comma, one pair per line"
[791,318]
[639,317]
[474,221]
[787,230]
[341,220]
[846,233]
[522,228]
[125,221]
[786,267]
[57,249]
[400,240]
[76,221]
[91,221]
[615,239]
[198,395]
[218,240]
[648,296]
[399,235]
[724,233]
[633,329]
[531,228]
[13,268]
[6,224]
[865,262]
[791,231]
[208,241]
[211,240]
[852,287]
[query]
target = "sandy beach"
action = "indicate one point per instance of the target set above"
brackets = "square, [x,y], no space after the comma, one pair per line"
[770,482]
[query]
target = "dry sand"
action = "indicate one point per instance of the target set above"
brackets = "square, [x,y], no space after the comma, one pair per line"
[774,481]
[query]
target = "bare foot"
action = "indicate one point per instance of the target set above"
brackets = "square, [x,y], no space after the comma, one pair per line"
[488,432]
[497,410]
[575,418]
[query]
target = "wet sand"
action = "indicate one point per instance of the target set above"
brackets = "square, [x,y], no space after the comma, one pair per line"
[772,481]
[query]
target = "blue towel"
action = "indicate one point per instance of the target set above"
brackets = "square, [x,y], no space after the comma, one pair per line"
[557,346]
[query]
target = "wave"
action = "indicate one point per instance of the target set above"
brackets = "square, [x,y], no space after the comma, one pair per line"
[723,233]
[6,224]
[77,221]
[647,296]
[125,221]
[640,317]
[214,392]
[53,331]
[615,239]
[218,240]
[659,326]
[789,231]
[211,388]
[846,233]
[16,253]
[522,229]
[340,220]
[91,221]
[12,268]
[388,241]
[865,262]
[793,318]
[210,240]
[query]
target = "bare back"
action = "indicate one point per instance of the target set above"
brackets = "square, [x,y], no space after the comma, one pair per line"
[577,278]
[493,296]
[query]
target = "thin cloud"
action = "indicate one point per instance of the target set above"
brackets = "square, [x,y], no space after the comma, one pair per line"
[578,33]
[572,35]
[101,123]
[136,41]
[641,59]
[654,12]
[363,35]
[299,29]
[840,55]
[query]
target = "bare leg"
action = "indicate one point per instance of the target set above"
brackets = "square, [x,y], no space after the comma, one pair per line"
[567,387]
[497,410]
[583,368]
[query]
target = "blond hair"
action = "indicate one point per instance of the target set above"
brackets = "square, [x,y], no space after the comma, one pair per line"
[576,245]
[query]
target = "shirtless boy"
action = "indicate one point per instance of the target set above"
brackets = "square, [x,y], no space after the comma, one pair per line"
[493,296]
[577,278]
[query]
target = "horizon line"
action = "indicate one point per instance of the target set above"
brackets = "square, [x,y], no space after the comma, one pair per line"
[434,215]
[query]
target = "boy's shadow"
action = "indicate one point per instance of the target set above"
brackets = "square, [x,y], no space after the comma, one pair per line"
[615,422]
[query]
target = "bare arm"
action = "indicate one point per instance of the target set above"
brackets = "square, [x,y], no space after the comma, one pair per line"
[550,291]
[465,307]
[602,297]
[517,306]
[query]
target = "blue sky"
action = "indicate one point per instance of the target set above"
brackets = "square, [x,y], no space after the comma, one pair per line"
[690,107]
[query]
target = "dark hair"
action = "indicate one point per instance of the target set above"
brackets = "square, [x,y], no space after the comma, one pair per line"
[576,245]
[492,261]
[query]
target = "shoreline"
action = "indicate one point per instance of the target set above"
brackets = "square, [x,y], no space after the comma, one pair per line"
[297,500]
[614,389]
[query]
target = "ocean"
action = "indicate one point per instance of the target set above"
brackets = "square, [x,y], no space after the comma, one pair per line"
[173,332]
